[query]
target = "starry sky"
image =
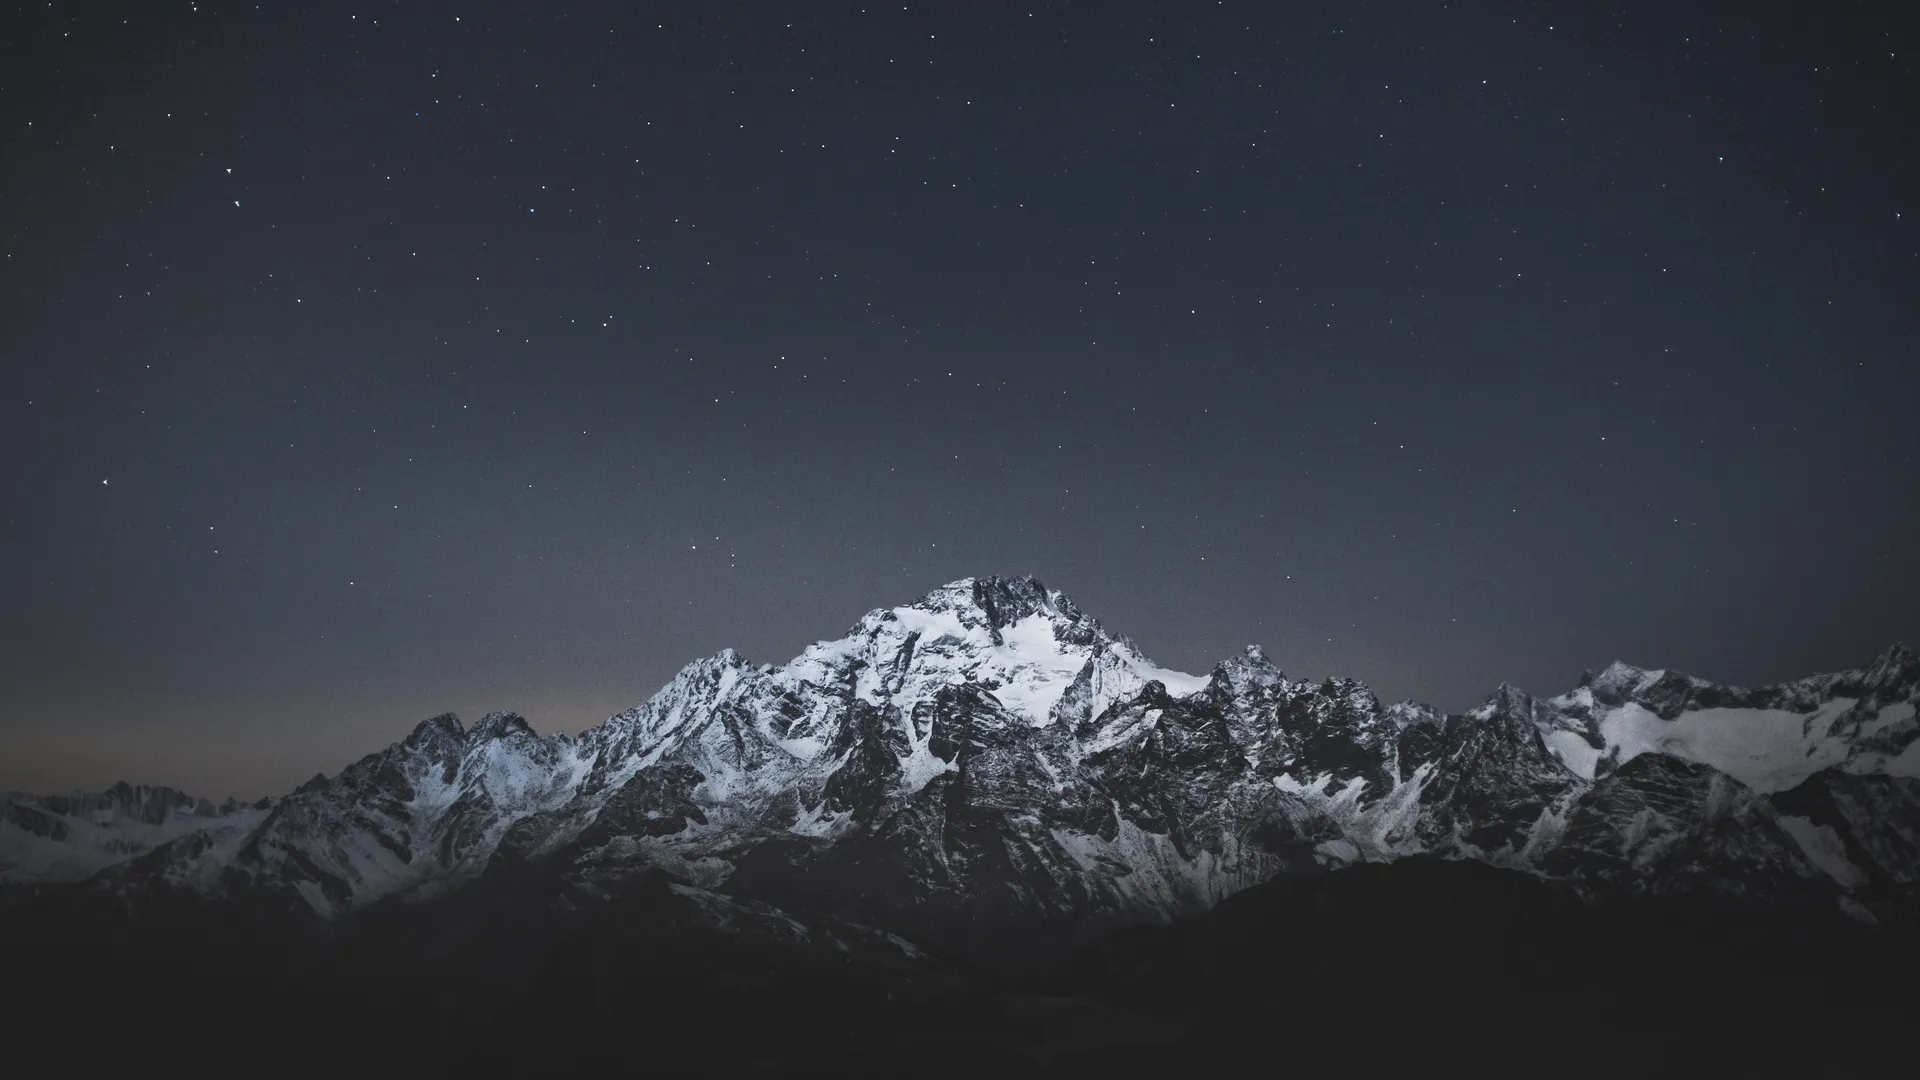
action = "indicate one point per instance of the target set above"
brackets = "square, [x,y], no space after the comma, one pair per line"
[367,361]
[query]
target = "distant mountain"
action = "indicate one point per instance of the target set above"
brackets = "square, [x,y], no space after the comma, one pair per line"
[989,761]
[73,837]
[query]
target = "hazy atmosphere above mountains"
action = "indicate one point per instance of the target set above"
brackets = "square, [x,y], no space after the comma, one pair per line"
[363,365]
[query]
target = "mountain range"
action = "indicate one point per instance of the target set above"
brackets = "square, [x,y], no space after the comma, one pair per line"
[988,776]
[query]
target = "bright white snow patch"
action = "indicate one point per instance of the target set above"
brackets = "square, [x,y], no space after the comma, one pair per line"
[1767,749]
[1178,683]
[1033,667]
[1574,751]
[1898,713]
[1121,731]
[805,748]
[1317,786]
[918,768]
[1824,849]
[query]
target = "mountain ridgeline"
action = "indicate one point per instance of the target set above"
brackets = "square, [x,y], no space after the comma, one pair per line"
[987,780]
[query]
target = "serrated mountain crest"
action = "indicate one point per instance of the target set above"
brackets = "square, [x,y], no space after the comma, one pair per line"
[991,751]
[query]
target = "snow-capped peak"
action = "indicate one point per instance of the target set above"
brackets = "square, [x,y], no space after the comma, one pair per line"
[1411,713]
[1248,671]
[499,725]
[1894,669]
[1621,680]
[997,602]
[1023,643]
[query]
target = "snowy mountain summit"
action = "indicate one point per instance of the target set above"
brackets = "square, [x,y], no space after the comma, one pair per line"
[989,756]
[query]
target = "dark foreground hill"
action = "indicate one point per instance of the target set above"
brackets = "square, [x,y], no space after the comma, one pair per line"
[1366,970]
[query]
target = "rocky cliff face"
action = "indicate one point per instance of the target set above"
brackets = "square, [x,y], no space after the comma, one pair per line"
[989,756]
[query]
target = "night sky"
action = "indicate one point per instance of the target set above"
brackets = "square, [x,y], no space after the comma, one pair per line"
[359,363]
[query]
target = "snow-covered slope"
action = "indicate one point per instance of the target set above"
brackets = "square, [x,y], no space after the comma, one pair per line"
[71,837]
[1771,738]
[991,756]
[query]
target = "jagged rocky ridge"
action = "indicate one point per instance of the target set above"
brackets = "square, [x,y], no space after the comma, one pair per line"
[989,757]
[71,837]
